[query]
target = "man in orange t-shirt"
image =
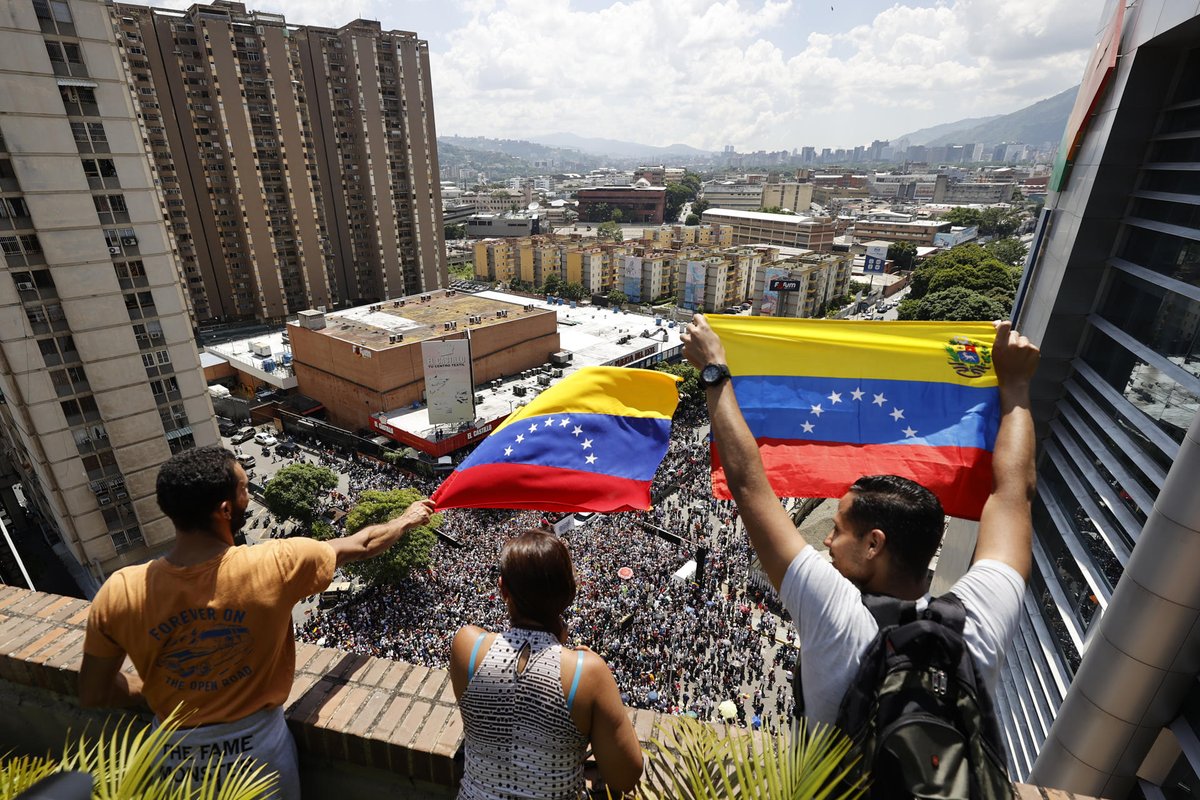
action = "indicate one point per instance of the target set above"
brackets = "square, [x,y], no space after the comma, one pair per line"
[209,626]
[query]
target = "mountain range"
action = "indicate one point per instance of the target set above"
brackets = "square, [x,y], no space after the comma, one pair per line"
[616,147]
[1040,123]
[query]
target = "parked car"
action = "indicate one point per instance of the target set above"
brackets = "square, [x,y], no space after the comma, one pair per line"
[227,428]
[287,448]
[264,438]
[242,435]
[245,459]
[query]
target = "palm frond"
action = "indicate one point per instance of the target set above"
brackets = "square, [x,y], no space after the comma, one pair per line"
[691,760]
[19,773]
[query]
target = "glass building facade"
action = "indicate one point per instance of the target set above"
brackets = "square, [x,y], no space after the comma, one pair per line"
[1112,294]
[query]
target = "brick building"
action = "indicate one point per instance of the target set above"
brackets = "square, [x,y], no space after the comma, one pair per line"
[639,203]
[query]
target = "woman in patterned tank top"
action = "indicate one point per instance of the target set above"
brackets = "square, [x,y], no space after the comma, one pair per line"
[530,706]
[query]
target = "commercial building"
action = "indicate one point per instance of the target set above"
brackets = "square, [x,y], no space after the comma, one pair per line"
[299,164]
[483,225]
[968,192]
[638,203]
[919,232]
[100,377]
[756,227]
[753,196]
[1099,692]
[366,360]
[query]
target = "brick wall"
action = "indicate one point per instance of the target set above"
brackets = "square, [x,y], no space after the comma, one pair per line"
[364,726]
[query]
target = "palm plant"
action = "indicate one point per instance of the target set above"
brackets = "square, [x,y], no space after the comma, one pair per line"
[128,762]
[691,760]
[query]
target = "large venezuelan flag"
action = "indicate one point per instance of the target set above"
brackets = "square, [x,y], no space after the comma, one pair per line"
[830,401]
[590,443]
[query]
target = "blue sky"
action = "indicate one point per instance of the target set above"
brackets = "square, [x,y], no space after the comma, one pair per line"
[757,74]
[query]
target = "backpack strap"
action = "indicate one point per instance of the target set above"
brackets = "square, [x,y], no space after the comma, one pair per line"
[949,611]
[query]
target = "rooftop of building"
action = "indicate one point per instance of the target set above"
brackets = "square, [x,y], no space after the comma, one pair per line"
[591,335]
[261,355]
[758,216]
[373,326]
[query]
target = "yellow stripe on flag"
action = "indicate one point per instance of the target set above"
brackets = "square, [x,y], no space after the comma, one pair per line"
[934,352]
[617,391]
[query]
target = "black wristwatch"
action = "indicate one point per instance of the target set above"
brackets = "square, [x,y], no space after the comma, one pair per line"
[714,375]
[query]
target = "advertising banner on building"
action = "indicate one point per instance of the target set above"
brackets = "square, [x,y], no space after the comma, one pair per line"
[631,272]
[957,237]
[770,297]
[876,259]
[449,386]
[693,285]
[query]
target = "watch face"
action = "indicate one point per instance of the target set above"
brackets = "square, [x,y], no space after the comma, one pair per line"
[711,374]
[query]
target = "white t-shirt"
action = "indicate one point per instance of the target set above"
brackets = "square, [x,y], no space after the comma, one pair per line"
[834,627]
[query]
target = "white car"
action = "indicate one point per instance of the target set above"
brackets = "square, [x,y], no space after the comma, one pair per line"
[264,438]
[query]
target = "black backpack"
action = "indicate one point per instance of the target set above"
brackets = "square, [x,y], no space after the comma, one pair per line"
[921,720]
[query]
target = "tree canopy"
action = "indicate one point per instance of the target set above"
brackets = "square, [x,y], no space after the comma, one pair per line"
[963,283]
[617,297]
[992,221]
[609,230]
[415,550]
[297,490]
[903,253]
[573,291]
[552,283]
[691,395]
[1009,250]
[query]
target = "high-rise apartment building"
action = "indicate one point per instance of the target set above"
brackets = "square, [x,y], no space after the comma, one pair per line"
[299,163]
[99,372]
[1099,694]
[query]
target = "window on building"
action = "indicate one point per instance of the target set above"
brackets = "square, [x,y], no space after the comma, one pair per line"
[22,250]
[71,380]
[54,16]
[111,208]
[140,304]
[90,137]
[128,539]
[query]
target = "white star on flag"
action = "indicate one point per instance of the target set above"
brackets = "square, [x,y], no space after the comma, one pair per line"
[549,421]
[879,400]
[532,427]
[508,451]
[909,433]
[857,394]
[578,430]
[816,410]
[564,422]
[587,443]
[835,398]
[520,438]
[591,459]
[897,414]
[808,427]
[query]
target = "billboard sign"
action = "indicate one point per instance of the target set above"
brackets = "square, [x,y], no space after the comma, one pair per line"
[632,274]
[449,386]
[770,297]
[785,285]
[693,285]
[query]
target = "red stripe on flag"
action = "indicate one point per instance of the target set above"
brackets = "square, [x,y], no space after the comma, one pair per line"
[961,477]
[537,488]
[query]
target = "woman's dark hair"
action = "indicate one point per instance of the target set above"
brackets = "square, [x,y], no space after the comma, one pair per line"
[193,483]
[537,573]
[909,514]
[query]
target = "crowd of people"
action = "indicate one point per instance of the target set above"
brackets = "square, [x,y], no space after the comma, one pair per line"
[679,644]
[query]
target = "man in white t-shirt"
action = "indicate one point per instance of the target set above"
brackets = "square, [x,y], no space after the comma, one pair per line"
[885,532]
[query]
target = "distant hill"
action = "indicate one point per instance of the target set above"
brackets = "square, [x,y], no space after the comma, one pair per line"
[515,148]
[615,147]
[927,135]
[1043,122]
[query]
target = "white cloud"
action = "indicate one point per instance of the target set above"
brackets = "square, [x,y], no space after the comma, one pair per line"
[712,73]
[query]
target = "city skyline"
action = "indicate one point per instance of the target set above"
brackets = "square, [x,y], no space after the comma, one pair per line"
[775,74]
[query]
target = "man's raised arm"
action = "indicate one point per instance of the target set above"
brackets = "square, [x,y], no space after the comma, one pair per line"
[1005,526]
[771,531]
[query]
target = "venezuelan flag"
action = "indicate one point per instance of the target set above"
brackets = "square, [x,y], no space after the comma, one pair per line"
[590,443]
[830,401]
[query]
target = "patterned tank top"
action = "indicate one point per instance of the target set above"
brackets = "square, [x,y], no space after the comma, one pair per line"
[520,740]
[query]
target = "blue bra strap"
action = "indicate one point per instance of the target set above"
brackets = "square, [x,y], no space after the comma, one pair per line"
[474,655]
[575,680]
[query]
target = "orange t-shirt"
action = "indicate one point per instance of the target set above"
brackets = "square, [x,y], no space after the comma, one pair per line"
[216,636]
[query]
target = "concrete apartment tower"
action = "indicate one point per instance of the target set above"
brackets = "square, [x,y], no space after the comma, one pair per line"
[299,164]
[100,376]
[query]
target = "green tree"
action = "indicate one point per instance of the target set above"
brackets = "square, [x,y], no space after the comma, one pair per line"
[455,231]
[297,490]
[609,230]
[690,392]
[859,286]
[692,219]
[617,215]
[988,274]
[903,253]
[1008,250]
[692,181]
[699,207]
[677,195]
[999,221]
[963,254]
[963,217]
[413,551]
[599,213]
[552,284]
[573,291]
[772,210]
[617,297]
[959,304]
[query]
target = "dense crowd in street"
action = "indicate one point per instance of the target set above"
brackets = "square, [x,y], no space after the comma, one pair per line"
[678,644]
